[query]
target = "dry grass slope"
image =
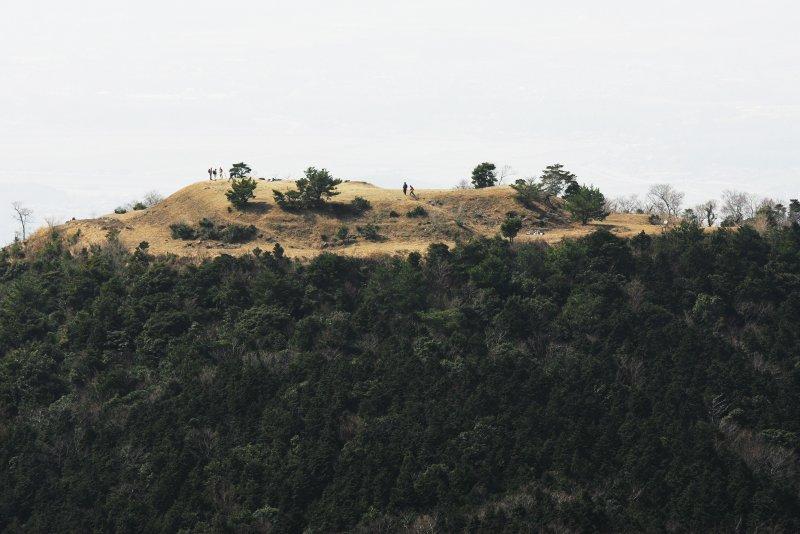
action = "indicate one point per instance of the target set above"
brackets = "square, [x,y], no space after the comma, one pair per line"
[452,215]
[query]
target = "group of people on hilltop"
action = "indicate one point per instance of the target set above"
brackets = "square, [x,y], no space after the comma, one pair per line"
[408,190]
[214,173]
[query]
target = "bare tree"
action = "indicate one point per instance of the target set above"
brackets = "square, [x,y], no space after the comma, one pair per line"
[629,204]
[506,171]
[152,198]
[24,216]
[463,184]
[52,223]
[737,206]
[665,199]
[707,212]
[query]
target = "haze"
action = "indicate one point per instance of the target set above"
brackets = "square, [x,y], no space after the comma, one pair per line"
[104,101]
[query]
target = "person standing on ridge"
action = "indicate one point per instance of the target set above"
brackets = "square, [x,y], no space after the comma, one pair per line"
[221,174]
[215,173]
[209,174]
[405,188]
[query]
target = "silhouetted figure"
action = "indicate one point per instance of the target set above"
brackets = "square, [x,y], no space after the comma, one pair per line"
[405,188]
[215,173]
[411,192]
[209,174]
[221,174]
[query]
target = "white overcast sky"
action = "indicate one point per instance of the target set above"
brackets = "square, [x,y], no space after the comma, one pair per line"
[101,101]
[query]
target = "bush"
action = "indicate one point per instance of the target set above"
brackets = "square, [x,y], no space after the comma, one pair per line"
[182,231]
[529,191]
[342,233]
[312,191]
[360,204]
[369,232]
[120,210]
[207,230]
[418,211]
[237,233]
[241,191]
[138,206]
[654,219]
[394,214]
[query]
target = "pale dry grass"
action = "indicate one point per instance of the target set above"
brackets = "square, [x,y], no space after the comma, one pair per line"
[453,215]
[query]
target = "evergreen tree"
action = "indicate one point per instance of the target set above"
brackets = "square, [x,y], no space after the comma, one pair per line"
[511,226]
[585,204]
[483,175]
[555,179]
[241,191]
[311,191]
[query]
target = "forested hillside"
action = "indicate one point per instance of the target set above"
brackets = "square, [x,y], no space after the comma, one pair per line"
[599,384]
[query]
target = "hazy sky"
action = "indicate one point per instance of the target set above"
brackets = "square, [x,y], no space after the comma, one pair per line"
[101,101]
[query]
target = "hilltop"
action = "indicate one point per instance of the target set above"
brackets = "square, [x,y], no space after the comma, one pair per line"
[451,215]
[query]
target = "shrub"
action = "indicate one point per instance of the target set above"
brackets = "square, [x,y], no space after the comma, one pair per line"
[182,231]
[120,210]
[394,214]
[342,233]
[418,211]
[369,232]
[241,191]
[138,206]
[529,191]
[206,229]
[237,233]
[654,219]
[312,191]
[360,205]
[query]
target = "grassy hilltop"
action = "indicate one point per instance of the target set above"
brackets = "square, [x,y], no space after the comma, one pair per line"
[449,215]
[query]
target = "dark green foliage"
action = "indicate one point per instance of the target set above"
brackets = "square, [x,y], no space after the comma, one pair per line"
[511,226]
[239,171]
[311,192]
[596,385]
[359,205]
[586,203]
[241,191]
[370,232]
[207,229]
[342,233]
[238,233]
[182,231]
[556,180]
[483,175]
[138,206]
[417,211]
[120,210]
[529,191]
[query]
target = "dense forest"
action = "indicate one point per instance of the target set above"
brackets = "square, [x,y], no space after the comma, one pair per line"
[600,384]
